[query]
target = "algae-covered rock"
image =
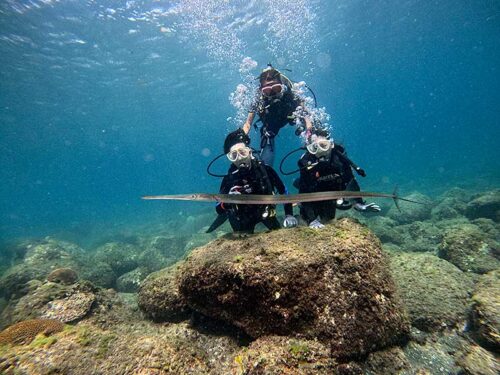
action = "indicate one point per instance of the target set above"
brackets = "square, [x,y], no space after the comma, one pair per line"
[40,258]
[411,212]
[100,274]
[470,249]
[131,281]
[121,257]
[161,251]
[283,355]
[420,236]
[434,291]
[125,349]
[159,296]
[391,361]
[69,309]
[485,205]
[486,310]
[448,208]
[332,284]
[63,275]
[478,361]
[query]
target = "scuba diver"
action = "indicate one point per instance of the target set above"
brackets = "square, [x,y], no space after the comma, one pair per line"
[277,105]
[247,175]
[326,167]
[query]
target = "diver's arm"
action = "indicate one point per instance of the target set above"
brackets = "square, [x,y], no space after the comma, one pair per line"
[248,123]
[280,186]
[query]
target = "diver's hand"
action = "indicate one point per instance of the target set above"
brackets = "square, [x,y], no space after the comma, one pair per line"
[316,224]
[290,221]
[370,207]
[235,190]
[343,204]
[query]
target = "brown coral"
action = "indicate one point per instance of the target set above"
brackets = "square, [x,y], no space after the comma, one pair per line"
[24,332]
[64,276]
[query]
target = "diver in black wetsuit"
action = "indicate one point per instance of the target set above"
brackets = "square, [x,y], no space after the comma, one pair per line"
[277,106]
[326,167]
[250,176]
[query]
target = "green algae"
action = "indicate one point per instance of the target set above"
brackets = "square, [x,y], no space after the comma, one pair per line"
[42,341]
[299,350]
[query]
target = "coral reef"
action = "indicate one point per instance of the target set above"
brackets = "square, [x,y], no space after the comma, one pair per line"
[25,331]
[486,310]
[470,249]
[434,291]
[63,275]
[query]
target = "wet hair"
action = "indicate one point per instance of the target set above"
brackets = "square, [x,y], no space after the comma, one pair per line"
[321,132]
[238,136]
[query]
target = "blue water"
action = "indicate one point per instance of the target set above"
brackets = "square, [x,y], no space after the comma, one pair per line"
[104,101]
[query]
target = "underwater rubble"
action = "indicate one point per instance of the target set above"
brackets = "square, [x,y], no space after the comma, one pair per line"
[410,292]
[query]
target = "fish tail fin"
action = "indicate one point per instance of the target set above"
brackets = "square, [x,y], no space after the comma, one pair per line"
[395,197]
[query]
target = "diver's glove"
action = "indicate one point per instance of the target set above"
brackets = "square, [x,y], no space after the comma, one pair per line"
[370,207]
[290,221]
[316,224]
[235,190]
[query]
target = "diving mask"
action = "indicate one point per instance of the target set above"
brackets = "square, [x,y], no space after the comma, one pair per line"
[238,153]
[319,146]
[273,89]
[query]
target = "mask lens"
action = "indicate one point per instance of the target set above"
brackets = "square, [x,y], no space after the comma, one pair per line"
[272,90]
[238,153]
[324,145]
[232,155]
[244,152]
[312,148]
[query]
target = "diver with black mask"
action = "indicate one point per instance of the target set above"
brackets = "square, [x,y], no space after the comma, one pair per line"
[325,166]
[247,175]
[277,105]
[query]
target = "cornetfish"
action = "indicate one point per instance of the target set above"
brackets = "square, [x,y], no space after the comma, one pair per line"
[276,199]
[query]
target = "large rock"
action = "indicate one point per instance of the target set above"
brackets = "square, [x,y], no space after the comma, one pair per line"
[333,285]
[161,251]
[434,291]
[411,212]
[477,361]
[159,296]
[448,208]
[121,257]
[131,281]
[469,248]
[485,205]
[486,310]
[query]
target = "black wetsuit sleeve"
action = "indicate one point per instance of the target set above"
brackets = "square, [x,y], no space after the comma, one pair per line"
[280,187]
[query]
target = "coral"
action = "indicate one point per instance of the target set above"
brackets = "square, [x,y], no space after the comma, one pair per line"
[25,331]
[63,275]
[71,308]
[434,291]
[486,310]
[468,248]
[332,284]
[485,205]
